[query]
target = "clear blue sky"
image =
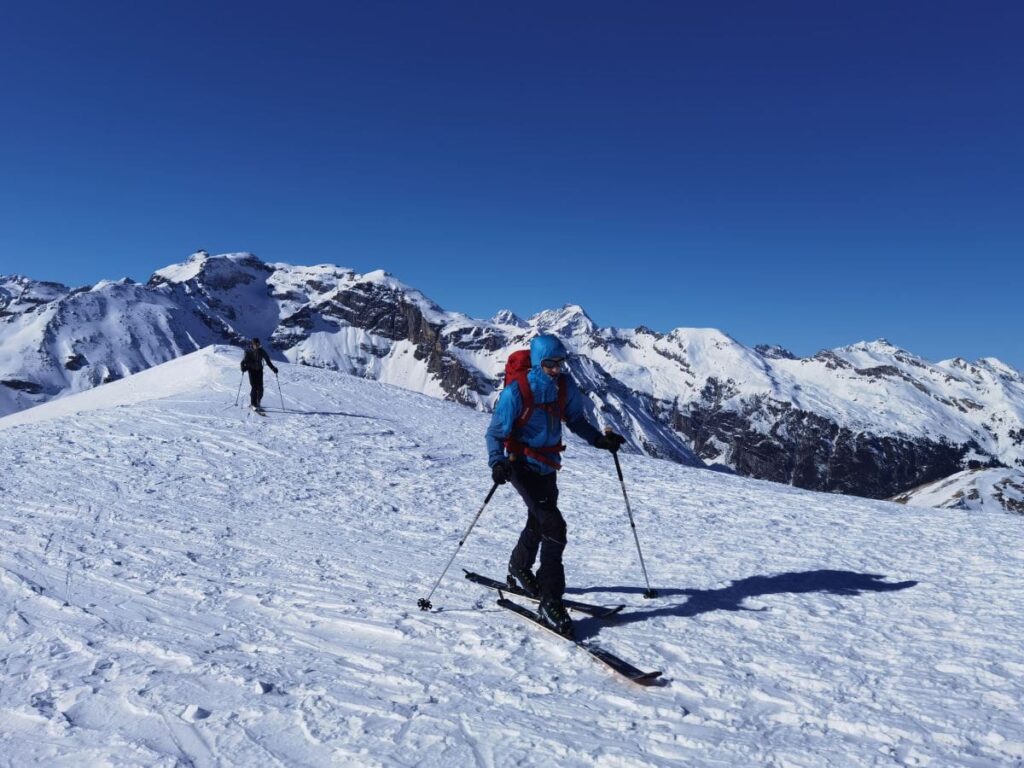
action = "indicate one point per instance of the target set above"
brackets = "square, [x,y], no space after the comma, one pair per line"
[808,174]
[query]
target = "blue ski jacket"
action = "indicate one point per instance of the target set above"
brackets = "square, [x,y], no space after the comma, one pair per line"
[543,429]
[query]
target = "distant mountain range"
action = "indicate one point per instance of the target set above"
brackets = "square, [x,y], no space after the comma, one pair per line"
[973,490]
[868,419]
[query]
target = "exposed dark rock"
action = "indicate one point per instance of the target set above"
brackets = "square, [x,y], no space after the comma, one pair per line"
[475,338]
[831,360]
[29,387]
[810,451]
[645,331]
[681,361]
[880,371]
[774,352]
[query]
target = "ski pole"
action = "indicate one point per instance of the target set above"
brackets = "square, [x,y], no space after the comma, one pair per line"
[279,390]
[239,393]
[424,602]
[618,468]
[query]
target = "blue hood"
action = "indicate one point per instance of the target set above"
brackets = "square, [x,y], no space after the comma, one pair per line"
[544,347]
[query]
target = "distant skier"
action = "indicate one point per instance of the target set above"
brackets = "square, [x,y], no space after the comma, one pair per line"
[253,364]
[523,443]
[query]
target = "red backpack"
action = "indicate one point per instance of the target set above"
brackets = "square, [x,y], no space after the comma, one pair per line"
[516,369]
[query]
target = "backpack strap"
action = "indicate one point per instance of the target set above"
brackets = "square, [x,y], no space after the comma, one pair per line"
[526,395]
[543,454]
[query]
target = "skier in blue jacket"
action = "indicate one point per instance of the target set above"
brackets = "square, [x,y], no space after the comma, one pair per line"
[524,441]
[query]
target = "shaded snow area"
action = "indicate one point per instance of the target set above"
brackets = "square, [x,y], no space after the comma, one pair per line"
[187,583]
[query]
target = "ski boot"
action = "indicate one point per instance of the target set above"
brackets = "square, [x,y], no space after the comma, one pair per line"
[553,614]
[522,578]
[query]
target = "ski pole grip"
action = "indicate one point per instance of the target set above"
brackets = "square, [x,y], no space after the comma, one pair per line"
[615,455]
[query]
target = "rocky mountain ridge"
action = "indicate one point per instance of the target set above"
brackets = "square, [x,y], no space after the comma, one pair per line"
[972,490]
[868,419]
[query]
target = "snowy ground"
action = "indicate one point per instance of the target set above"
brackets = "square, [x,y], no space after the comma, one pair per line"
[183,583]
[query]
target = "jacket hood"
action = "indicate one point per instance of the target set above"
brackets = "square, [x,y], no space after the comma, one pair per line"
[543,347]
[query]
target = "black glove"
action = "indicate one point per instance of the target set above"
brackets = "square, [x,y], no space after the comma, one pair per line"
[501,471]
[274,370]
[610,441]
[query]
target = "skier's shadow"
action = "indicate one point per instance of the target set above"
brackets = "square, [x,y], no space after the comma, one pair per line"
[730,598]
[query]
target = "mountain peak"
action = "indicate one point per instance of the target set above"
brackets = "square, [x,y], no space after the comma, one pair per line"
[508,317]
[997,366]
[703,336]
[108,283]
[19,291]
[570,320]
[210,268]
[386,279]
[883,346]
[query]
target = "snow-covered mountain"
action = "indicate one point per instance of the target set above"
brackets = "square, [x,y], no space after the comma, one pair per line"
[993,490]
[186,583]
[868,419]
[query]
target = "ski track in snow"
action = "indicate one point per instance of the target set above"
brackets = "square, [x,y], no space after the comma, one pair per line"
[187,583]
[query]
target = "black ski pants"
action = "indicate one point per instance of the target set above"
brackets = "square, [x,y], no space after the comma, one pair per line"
[544,531]
[256,382]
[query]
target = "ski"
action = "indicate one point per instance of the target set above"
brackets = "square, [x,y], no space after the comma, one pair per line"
[597,611]
[608,658]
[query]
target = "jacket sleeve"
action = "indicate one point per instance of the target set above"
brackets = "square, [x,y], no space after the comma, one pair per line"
[576,417]
[267,358]
[507,410]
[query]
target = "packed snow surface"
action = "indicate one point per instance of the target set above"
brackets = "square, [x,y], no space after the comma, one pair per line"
[187,583]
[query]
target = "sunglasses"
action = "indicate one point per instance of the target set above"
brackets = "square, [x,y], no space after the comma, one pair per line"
[553,363]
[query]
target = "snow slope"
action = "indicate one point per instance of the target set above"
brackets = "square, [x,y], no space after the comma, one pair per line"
[185,583]
[992,490]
